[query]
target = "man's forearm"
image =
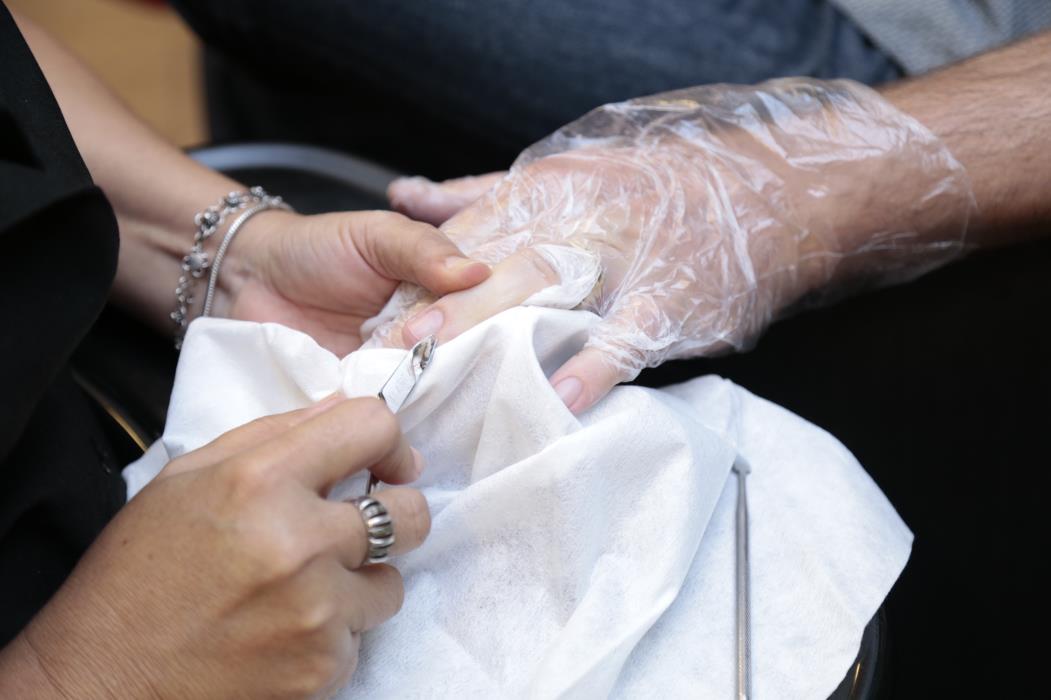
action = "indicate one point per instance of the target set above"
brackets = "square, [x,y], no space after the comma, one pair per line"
[155,189]
[994,113]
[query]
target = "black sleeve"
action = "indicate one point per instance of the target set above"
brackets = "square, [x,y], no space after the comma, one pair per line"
[59,273]
[58,249]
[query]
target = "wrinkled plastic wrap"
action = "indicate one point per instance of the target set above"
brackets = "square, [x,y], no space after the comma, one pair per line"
[713,210]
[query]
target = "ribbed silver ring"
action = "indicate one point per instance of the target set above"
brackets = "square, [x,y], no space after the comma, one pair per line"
[379,528]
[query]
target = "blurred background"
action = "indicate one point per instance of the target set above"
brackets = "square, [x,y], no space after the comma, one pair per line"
[142,49]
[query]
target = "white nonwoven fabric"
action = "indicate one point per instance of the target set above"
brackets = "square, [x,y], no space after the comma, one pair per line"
[579,557]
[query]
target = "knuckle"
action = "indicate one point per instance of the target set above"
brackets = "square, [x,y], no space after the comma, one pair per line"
[429,243]
[316,672]
[379,227]
[278,553]
[316,615]
[246,480]
[541,266]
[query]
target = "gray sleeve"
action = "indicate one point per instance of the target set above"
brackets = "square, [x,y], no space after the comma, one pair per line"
[932,33]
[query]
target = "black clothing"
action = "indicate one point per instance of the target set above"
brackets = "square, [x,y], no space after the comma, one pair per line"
[58,483]
[447,87]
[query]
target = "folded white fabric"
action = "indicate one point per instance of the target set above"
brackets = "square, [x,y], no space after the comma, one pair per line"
[579,557]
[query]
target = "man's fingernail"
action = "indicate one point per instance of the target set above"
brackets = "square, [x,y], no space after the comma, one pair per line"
[411,185]
[418,461]
[427,324]
[569,390]
[407,190]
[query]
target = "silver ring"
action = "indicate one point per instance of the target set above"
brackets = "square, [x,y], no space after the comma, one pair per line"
[379,529]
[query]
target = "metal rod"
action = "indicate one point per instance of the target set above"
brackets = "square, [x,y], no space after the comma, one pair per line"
[744,651]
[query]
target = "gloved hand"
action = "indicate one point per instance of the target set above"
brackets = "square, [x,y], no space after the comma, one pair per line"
[695,218]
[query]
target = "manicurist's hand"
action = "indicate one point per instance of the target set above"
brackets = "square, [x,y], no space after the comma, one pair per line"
[326,274]
[230,576]
[320,274]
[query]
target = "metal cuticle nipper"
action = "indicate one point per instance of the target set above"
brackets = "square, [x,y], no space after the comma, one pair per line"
[402,381]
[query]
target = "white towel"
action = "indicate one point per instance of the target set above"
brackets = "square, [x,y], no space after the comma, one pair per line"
[579,557]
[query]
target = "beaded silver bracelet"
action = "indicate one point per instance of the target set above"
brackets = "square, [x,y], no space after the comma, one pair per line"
[196,262]
[220,253]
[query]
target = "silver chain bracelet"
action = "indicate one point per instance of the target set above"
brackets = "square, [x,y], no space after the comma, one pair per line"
[196,262]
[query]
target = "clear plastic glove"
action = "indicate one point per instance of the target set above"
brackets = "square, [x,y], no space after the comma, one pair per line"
[695,218]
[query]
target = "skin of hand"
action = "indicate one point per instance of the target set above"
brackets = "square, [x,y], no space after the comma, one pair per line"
[326,274]
[320,274]
[990,111]
[230,575]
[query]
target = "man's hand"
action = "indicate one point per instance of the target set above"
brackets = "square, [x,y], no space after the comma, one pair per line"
[230,575]
[434,202]
[861,196]
[709,212]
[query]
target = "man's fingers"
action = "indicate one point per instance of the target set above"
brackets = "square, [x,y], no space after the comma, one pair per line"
[514,280]
[405,250]
[350,437]
[345,531]
[612,354]
[436,202]
[587,377]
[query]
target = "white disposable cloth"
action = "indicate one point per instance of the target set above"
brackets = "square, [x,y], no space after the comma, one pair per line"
[579,557]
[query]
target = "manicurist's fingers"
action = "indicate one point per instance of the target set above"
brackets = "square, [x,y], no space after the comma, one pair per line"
[343,528]
[514,280]
[405,250]
[355,601]
[377,593]
[247,436]
[350,437]
[435,202]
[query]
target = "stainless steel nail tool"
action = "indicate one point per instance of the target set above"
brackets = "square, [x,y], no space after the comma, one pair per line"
[402,381]
[744,650]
